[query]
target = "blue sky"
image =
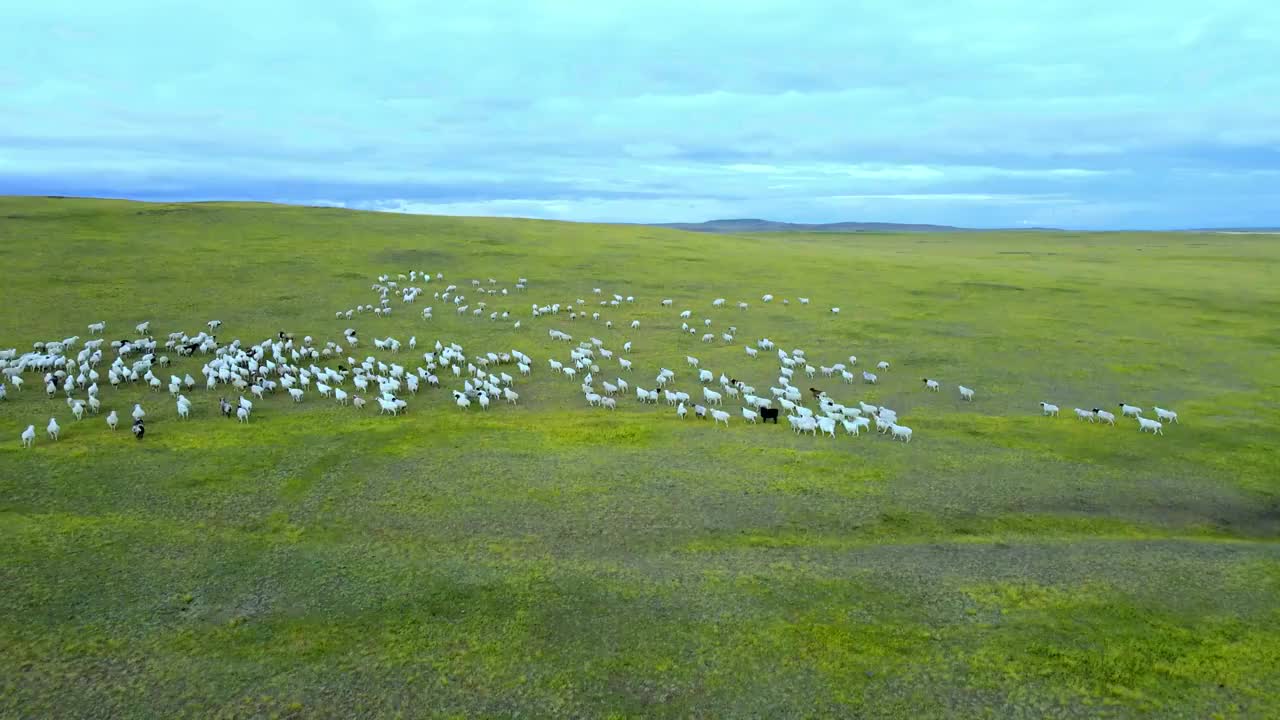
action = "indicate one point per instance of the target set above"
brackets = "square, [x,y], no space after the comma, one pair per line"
[1069,113]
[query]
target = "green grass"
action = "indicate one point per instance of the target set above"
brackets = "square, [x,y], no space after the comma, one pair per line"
[549,560]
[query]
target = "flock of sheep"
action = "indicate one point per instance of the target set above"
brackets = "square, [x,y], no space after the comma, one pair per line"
[298,367]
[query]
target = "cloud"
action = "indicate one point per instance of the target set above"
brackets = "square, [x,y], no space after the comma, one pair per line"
[655,110]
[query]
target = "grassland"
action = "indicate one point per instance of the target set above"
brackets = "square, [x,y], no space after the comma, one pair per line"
[549,560]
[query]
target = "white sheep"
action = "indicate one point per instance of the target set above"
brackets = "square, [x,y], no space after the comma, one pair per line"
[901,432]
[1166,415]
[847,376]
[882,365]
[681,411]
[1130,410]
[1049,409]
[712,397]
[113,420]
[608,403]
[750,416]
[1145,424]
[720,416]
[932,385]
[358,402]
[869,377]
[53,429]
[835,311]
[827,425]
[1105,416]
[341,395]
[242,415]
[29,436]
[705,376]
[1085,415]
[966,393]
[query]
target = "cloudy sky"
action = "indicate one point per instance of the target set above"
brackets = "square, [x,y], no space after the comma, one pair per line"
[1070,113]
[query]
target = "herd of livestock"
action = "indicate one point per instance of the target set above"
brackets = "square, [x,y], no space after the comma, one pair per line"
[239,374]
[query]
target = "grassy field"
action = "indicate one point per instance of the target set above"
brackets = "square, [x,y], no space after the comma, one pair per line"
[551,560]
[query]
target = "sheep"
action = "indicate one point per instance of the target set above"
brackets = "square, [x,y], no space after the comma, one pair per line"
[700,412]
[827,425]
[242,415]
[53,429]
[1130,410]
[635,324]
[77,410]
[1086,415]
[139,429]
[511,395]
[705,376]
[854,427]
[712,397]
[593,399]
[966,393]
[681,411]
[752,352]
[883,365]
[608,403]
[97,328]
[112,419]
[29,436]
[626,346]
[931,385]
[869,378]
[720,416]
[900,432]
[184,410]
[340,395]
[835,311]
[693,361]
[138,412]
[1049,409]
[625,364]
[803,300]
[1105,416]
[1144,425]
[1166,415]
[750,416]
[847,376]
[483,400]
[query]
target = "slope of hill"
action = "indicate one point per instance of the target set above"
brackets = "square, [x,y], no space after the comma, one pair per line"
[552,559]
[750,225]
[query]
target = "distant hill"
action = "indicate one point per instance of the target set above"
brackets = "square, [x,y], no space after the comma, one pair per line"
[749,225]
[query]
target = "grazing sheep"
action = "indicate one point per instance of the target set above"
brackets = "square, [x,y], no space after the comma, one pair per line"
[1166,415]
[1085,415]
[29,436]
[700,412]
[882,365]
[712,397]
[1049,409]
[1144,425]
[931,385]
[966,393]
[835,311]
[1105,416]
[720,416]
[53,429]
[1130,410]
[870,378]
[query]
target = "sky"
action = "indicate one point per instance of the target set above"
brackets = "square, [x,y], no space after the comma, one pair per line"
[1063,113]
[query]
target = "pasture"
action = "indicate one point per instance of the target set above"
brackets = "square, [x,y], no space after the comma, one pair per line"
[551,559]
